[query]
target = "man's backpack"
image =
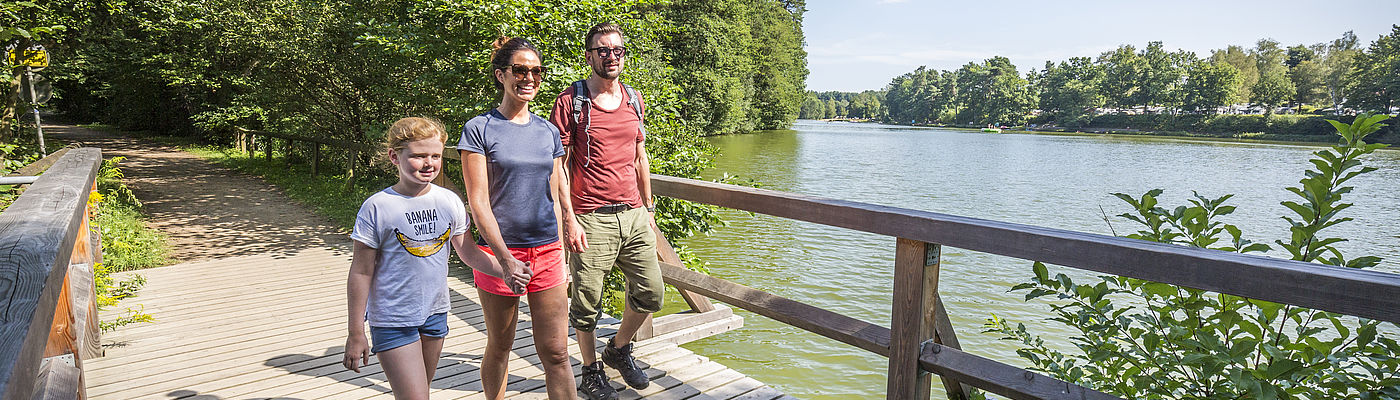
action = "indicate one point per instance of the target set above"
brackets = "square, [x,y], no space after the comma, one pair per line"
[582,102]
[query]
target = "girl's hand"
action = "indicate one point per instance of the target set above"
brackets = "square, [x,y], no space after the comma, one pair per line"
[517,273]
[356,349]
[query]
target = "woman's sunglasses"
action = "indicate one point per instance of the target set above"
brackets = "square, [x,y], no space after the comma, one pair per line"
[521,72]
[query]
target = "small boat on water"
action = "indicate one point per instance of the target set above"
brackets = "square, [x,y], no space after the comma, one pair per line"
[991,130]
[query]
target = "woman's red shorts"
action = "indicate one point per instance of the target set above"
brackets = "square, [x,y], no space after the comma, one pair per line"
[546,264]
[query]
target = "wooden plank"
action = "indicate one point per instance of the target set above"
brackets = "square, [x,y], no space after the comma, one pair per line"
[911,319]
[667,254]
[38,167]
[999,378]
[59,381]
[1364,293]
[35,230]
[735,388]
[842,328]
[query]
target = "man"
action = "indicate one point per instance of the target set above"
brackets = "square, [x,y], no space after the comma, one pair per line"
[600,123]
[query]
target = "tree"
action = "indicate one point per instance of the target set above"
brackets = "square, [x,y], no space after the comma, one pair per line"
[780,75]
[1208,86]
[1337,64]
[1273,88]
[993,93]
[1158,77]
[1309,78]
[1248,67]
[812,108]
[1122,67]
[22,25]
[1375,75]
[1069,92]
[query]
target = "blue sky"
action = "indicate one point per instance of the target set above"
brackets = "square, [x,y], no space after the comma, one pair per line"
[855,45]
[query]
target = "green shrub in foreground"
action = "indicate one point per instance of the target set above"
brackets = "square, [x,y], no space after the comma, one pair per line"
[1149,340]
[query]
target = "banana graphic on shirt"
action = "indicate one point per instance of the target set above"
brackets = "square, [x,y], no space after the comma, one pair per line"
[422,248]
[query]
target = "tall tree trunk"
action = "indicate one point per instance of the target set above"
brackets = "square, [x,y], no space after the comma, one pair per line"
[8,130]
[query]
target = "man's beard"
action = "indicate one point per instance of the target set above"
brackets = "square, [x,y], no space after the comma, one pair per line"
[602,71]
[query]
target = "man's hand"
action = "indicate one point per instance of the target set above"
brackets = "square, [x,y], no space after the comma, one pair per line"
[573,233]
[356,350]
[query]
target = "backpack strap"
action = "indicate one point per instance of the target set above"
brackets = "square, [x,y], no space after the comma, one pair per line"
[635,100]
[582,103]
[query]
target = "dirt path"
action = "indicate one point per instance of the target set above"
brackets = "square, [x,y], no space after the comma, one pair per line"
[207,210]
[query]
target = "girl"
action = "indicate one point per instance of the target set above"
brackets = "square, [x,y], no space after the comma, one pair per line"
[398,271]
[513,172]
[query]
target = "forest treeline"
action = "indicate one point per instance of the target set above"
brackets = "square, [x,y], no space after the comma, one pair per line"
[344,69]
[1122,86]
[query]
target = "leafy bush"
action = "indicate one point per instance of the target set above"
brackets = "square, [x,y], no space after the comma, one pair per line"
[1143,339]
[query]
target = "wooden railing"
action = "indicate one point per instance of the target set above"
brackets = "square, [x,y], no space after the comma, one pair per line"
[920,339]
[48,318]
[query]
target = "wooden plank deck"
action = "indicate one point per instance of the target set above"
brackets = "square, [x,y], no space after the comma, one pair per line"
[273,326]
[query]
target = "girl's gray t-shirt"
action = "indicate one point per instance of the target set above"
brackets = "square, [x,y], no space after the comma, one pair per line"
[412,235]
[519,161]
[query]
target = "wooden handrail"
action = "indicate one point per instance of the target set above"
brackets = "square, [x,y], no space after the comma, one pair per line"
[921,337]
[1363,293]
[47,305]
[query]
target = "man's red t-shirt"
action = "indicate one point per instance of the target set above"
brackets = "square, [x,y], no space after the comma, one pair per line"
[602,169]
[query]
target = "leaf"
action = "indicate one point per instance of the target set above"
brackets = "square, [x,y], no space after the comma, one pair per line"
[1281,367]
[1041,273]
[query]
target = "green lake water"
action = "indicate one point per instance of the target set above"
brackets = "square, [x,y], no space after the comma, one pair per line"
[1053,181]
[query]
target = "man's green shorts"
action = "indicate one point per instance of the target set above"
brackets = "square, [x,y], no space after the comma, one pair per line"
[624,239]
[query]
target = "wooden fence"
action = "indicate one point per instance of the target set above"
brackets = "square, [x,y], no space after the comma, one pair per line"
[921,340]
[48,313]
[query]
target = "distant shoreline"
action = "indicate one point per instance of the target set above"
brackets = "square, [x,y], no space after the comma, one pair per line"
[1252,137]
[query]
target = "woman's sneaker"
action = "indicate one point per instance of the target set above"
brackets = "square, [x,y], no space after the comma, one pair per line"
[594,383]
[622,361]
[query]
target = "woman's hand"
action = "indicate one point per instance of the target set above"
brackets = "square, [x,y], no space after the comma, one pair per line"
[517,273]
[356,350]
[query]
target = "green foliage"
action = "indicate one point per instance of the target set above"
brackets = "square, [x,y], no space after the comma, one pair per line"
[1143,339]
[1375,75]
[13,157]
[992,93]
[1208,86]
[1070,91]
[740,63]
[864,105]
[127,244]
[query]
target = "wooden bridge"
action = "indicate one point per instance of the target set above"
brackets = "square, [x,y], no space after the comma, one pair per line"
[268,326]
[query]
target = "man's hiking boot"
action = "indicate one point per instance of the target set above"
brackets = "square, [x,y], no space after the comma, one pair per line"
[622,361]
[594,383]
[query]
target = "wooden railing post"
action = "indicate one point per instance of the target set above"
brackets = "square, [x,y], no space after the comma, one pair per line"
[914,320]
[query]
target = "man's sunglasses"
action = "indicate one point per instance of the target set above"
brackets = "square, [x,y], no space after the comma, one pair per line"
[617,52]
[521,72]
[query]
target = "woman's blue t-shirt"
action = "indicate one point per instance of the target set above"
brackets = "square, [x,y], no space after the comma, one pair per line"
[519,161]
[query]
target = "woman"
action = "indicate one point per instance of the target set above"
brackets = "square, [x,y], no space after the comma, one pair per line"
[513,172]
